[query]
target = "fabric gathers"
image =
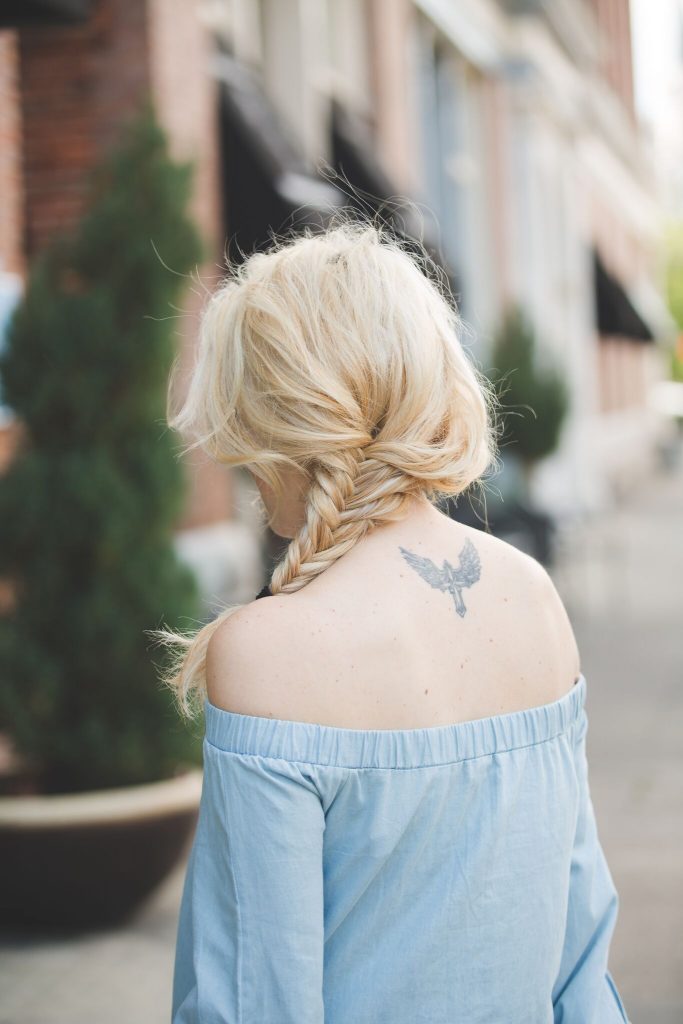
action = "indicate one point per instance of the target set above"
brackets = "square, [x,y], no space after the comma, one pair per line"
[446,875]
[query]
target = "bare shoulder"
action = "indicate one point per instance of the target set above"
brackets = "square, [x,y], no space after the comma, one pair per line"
[549,607]
[535,604]
[239,663]
[288,656]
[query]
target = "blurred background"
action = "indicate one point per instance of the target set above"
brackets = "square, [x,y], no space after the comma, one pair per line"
[535,149]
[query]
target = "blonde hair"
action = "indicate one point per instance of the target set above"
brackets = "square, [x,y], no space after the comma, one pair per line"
[335,354]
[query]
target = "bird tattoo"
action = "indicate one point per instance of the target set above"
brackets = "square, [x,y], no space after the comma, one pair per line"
[448,578]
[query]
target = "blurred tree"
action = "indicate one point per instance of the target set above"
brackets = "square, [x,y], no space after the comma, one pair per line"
[87,508]
[674,283]
[534,399]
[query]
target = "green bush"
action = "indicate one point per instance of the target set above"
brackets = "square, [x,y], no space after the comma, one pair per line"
[87,508]
[534,399]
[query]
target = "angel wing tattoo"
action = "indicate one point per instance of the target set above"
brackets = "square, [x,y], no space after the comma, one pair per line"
[454,580]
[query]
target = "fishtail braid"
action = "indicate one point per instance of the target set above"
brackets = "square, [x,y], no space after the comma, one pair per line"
[351,492]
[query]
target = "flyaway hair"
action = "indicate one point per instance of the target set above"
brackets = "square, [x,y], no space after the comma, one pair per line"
[336,354]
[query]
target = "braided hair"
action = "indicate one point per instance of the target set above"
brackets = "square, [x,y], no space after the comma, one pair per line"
[337,354]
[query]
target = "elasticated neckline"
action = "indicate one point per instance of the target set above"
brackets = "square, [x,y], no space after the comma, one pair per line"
[392,748]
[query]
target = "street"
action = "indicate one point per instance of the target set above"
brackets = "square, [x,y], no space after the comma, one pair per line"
[621,583]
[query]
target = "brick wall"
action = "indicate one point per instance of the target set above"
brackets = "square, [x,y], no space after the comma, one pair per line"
[11,191]
[613,18]
[78,84]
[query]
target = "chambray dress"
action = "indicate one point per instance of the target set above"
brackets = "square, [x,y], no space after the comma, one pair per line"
[442,875]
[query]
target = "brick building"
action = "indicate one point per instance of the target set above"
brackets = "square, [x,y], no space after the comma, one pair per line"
[71,74]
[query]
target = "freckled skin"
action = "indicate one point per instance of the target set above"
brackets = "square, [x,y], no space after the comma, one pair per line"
[370,643]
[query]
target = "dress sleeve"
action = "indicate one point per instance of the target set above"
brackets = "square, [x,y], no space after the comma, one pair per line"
[585,990]
[250,938]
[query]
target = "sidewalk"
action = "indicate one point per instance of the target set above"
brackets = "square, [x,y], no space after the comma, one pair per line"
[623,588]
[621,582]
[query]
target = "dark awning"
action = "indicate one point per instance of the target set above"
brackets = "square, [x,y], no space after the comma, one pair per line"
[15,13]
[267,185]
[369,189]
[615,313]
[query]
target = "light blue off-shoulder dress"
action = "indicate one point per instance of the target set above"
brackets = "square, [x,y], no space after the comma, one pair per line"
[442,875]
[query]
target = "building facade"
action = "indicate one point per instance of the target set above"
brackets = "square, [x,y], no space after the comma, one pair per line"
[509,124]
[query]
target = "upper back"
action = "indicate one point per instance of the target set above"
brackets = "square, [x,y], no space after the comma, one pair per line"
[388,856]
[424,622]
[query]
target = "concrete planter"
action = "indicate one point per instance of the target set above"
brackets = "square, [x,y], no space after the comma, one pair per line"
[88,860]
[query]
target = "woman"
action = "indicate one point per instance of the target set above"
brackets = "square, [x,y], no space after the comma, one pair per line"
[396,823]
